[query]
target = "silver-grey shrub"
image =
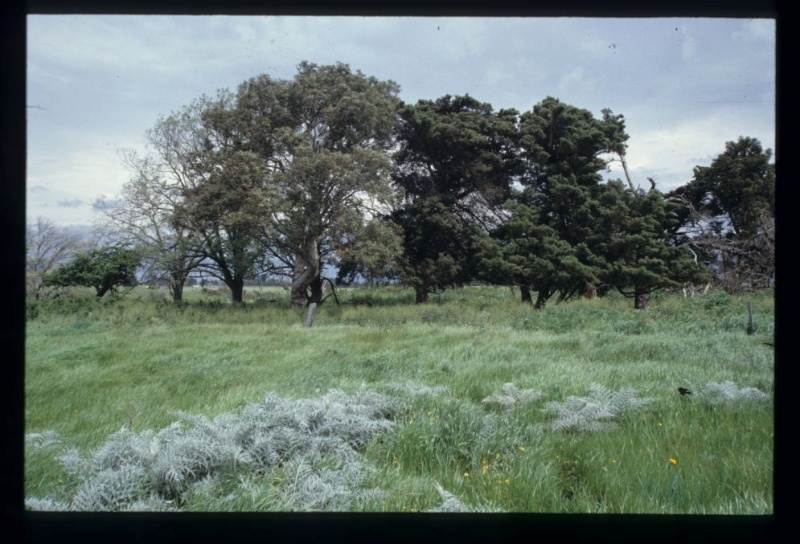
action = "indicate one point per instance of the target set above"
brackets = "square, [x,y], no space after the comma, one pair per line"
[415,389]
[452,504]
[155,470]
[596,412]
[42,440]
[729,393]
[510,396]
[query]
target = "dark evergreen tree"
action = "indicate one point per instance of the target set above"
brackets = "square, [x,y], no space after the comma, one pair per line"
[562,150]
[454,168]
[632,237]
[728,215]
[525,252]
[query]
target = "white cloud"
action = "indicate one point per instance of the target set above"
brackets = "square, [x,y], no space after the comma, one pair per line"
[673,151]
[576,81]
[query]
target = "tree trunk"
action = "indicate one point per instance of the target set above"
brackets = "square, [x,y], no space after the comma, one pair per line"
[316,290]
[525,291]
[306,272]
[422,295]
[641,299]
[177,280]
[236,285]
[312,309]
[541,299]
[625,169]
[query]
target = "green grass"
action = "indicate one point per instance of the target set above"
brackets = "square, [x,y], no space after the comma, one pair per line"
[93,367]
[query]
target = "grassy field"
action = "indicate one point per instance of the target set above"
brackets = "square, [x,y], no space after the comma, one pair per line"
[473,402]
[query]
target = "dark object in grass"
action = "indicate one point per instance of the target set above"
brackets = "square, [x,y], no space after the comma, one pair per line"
[684,391]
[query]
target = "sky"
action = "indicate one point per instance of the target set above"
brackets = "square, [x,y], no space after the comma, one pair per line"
[96,83]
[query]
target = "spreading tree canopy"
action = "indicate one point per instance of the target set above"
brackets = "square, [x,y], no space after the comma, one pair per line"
[323,139]
[105,269]
[552,212]
[454,167]
[271,177]
[632,237]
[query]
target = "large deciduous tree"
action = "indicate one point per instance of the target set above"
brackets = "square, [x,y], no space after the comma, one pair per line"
[143,215]
[454,165]
[322,139]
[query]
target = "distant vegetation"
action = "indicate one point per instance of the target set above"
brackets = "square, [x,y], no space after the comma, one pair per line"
[470,403]
[330,173]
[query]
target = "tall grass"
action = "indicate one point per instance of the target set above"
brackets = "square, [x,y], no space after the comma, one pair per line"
[465,439]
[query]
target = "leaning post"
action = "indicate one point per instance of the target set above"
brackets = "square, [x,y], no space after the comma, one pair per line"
[312,308]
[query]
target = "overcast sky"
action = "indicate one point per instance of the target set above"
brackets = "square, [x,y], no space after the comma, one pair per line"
[96,83]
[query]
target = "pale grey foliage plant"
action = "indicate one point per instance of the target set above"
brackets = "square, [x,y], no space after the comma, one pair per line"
[42,440]
[326,488]
[320,437]
[596,412]
[729,393]
[452,504]
[46,505]
[415,389]
[509,396]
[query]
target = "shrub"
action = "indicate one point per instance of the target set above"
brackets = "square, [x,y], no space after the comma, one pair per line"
[594,412]
[316,440]
[510,396]
[728,393]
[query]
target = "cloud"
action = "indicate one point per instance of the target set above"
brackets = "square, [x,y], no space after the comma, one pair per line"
[576,81]
[104,80]
[672,152]
[71,203]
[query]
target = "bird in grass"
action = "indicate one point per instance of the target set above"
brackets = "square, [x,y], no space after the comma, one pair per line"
[684,391]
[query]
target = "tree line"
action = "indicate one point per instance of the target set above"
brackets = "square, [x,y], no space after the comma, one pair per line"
[331,169]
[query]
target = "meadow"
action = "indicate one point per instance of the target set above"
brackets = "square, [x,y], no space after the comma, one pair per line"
[473,402]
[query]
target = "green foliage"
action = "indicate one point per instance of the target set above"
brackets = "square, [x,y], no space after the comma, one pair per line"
[631,240]
[454,165]
[543,243]
[728,215]
[740,184]
[105,269]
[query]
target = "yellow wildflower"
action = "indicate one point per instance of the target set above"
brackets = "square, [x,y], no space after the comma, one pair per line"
[507,481]
[660,424]
[466,475]
[521,448]
[673,461]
